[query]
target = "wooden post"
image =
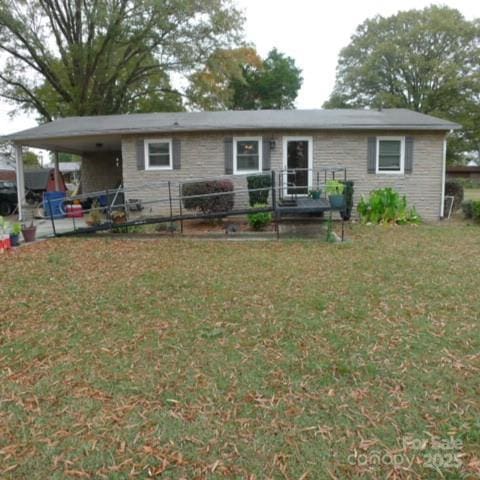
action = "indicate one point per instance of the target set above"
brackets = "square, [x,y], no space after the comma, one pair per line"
[20,182]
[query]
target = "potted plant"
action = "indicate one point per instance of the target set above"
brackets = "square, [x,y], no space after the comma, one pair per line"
[29,232]
[15,234]
[315,193]
[335,193]
[94,217]
[119,217]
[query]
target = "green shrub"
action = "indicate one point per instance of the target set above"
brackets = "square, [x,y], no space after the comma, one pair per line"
[211,203]
[386,206]
[467,209]
[335,187]
[348,192]
[258,181]
[259,220]
[476,211]
[454,189]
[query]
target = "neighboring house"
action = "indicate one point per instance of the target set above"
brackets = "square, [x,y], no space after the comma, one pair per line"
[69,170]
[7,168]
[379,148]
[466,172]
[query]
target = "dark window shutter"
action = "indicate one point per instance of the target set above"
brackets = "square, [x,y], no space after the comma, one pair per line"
[408,154]
[266,163]
[140,155]
[228,155]
[372,155]
[176,162]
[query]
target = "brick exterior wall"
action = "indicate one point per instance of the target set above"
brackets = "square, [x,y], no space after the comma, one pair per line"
[99,171]
[202,155]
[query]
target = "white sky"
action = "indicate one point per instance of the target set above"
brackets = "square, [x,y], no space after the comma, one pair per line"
[311,31]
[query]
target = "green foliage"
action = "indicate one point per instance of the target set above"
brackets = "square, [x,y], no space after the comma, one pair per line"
[103,57]
[455,189]
[476,211]
[335,187]
[238,79]
[30,159]
[423,60]
[16,228]
[259,220]
[386,206]
[255,182]
[467,209]
[202,196]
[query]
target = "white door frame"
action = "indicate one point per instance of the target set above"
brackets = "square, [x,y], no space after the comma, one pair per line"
[287,139]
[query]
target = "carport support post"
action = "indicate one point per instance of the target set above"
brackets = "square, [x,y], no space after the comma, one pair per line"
[20,181]
[56,173]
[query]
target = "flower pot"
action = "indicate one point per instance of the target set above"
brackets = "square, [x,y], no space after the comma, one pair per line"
[15,239]
[29,233]
[337,202]
[315,195]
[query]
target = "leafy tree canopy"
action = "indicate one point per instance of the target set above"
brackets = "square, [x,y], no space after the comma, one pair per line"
[78,57]
[239,79]
[425,60]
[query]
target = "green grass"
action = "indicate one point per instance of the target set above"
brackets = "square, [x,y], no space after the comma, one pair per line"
[201,359]
[472,193]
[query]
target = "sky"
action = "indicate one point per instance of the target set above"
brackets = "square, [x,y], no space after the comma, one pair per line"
[311,31]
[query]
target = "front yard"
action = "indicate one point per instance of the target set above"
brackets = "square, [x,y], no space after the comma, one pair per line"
[201,359]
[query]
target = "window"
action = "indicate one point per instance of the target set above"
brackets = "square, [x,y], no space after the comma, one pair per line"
[390,155]
[247,155]
[158,155]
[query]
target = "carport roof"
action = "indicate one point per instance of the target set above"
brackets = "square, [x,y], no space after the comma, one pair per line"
[82,133]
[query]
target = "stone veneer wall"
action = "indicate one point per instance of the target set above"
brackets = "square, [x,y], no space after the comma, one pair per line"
[99,171]
[202,155]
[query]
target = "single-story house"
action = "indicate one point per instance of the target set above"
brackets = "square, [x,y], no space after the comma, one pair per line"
[379,148]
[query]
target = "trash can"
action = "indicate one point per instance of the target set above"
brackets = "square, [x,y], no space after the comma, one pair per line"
[53,204]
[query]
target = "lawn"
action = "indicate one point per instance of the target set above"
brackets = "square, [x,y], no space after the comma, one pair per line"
[472,193]
[187,359]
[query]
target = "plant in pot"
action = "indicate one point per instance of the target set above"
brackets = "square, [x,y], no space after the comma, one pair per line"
[335,190]
[94,217]
[315,193]
[119,217]
[15,234]
[29,232]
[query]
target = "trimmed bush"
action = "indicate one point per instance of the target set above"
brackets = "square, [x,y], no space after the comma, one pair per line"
[259,220]
[454,189]
[386,206]
[348,193]
[476,211]
[212,203]
[467,209]
[258,181]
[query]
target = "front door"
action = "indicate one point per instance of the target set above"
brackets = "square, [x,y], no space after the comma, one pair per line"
[298,164]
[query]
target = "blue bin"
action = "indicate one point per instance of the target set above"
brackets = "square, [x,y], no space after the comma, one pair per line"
[53,204]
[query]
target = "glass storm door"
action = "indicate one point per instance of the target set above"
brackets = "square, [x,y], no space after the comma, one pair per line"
[298,164]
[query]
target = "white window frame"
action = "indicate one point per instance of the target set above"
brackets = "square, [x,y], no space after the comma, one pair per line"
[260,154]
[402,157]
[310,161]
[151,141]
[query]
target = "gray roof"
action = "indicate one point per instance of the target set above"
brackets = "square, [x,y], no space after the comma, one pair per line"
[386,119]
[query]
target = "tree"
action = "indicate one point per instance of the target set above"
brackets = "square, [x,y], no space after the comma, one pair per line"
[239,79]
[78,57]
[30,159]
[425,60]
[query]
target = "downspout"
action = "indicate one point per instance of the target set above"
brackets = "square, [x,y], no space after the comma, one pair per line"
[444,170]
[20,174]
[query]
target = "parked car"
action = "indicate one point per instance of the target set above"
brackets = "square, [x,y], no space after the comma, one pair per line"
[8,198]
